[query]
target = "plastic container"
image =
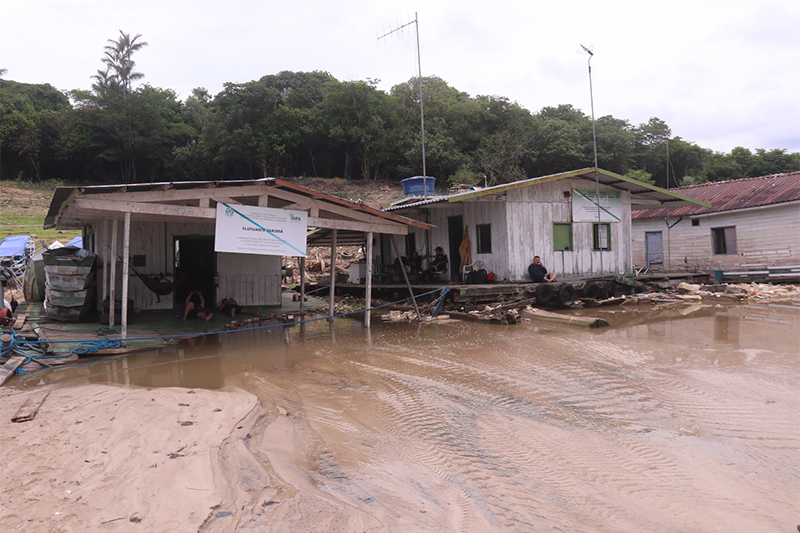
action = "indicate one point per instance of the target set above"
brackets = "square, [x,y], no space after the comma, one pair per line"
[418,185]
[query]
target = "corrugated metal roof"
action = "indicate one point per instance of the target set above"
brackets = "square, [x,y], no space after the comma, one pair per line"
[642,194]
[732,195]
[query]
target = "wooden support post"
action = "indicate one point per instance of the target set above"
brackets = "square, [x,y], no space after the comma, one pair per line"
[126,253]
[105,249]
[405,276]
[112,283]
[302,285]
[333,274]
[368,299]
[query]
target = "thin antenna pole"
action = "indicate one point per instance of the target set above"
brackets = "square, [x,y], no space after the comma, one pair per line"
[596,171]
[415,22]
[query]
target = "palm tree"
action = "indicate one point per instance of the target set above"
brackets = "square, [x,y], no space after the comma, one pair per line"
[119,73]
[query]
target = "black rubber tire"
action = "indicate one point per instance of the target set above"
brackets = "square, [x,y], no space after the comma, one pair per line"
[566,294]
[610,289]
[544,293]
[590,290]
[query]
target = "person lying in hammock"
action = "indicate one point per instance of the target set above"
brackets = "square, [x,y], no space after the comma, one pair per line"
[229,305]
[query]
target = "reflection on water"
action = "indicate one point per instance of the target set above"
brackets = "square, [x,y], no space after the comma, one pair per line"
[678,420]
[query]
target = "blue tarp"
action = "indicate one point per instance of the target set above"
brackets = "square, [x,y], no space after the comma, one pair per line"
[77,242]
[14,246]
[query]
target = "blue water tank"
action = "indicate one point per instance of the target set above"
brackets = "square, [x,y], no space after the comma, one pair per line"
[421,185]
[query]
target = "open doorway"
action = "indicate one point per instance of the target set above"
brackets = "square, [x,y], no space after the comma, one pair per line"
[455,232]
[195,261]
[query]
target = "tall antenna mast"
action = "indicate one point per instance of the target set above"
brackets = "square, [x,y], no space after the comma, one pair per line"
[596,170]
[419,82]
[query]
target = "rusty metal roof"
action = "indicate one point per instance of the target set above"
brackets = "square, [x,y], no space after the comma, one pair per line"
[732,195]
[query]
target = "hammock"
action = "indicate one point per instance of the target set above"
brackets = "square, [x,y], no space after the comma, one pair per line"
[160,284]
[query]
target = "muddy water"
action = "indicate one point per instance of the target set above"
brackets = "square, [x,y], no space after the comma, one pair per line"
[686,420]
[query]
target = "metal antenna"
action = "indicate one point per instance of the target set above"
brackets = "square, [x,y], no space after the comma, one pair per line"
[596,171]
[419,82]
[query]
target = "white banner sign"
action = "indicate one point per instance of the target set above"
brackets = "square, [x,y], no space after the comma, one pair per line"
[587,206]
[245,229]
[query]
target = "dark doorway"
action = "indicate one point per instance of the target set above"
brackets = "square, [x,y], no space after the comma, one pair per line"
[196,261]
[455,232]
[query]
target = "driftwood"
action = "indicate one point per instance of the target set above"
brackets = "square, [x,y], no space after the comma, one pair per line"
[28,410]
[580,321]
[9,367]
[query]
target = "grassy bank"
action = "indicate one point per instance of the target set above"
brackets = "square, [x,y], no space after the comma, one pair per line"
[23,207]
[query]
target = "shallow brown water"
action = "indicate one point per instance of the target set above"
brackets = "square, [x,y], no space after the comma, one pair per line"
[686,420]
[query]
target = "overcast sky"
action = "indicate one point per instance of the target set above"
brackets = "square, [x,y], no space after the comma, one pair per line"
[720,73]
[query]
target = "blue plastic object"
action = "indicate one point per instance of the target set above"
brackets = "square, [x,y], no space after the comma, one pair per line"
[422,185]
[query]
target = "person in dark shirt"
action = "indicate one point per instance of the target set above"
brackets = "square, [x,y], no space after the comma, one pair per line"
[539,273]
[195,307]
[229,305]
[437,264]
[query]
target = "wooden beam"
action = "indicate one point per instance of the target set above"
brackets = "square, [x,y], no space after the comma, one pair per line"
[171,195]
[333,274]
[10,366]
[571,320]
[112,283]
[368,295]
[353,225]
[126,252]
[118,207]
[30,407]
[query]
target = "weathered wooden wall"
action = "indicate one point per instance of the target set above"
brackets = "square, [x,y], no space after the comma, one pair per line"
[766,236]
[531,213]
[250,279]
[522,226]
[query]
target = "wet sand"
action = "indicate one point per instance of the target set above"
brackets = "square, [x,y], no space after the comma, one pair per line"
[685,420]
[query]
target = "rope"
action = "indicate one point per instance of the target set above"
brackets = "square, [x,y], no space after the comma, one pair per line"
[439,303]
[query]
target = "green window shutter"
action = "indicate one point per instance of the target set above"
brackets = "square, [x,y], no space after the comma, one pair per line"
[562,236]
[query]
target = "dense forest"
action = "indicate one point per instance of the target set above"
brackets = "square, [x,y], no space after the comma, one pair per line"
[311,124]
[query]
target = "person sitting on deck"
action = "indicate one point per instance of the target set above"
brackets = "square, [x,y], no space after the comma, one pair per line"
[230,305]
[539,273]
[195,307]
[436,265]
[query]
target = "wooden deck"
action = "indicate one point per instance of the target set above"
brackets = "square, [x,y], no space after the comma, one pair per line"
[146,330]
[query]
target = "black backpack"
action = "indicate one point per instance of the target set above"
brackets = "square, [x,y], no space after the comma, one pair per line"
[477,277]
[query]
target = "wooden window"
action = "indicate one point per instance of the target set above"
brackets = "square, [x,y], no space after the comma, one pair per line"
[695,222]
[483,234]
[601,236]
[562,236]
[139,261]
[724,240]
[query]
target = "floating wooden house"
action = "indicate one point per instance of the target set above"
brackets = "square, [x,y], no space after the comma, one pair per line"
[748,226]
[168,229]
[578,222]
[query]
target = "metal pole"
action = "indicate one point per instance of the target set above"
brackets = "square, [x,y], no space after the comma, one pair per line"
[302,285]
[421,111]
[596,170]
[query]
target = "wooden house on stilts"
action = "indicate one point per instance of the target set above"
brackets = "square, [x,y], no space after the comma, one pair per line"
[578,222]
[141,232]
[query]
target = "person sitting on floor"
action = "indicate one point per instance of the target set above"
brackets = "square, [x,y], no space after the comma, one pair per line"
[437,264]
[229,304]
[539,273]
[195,307]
